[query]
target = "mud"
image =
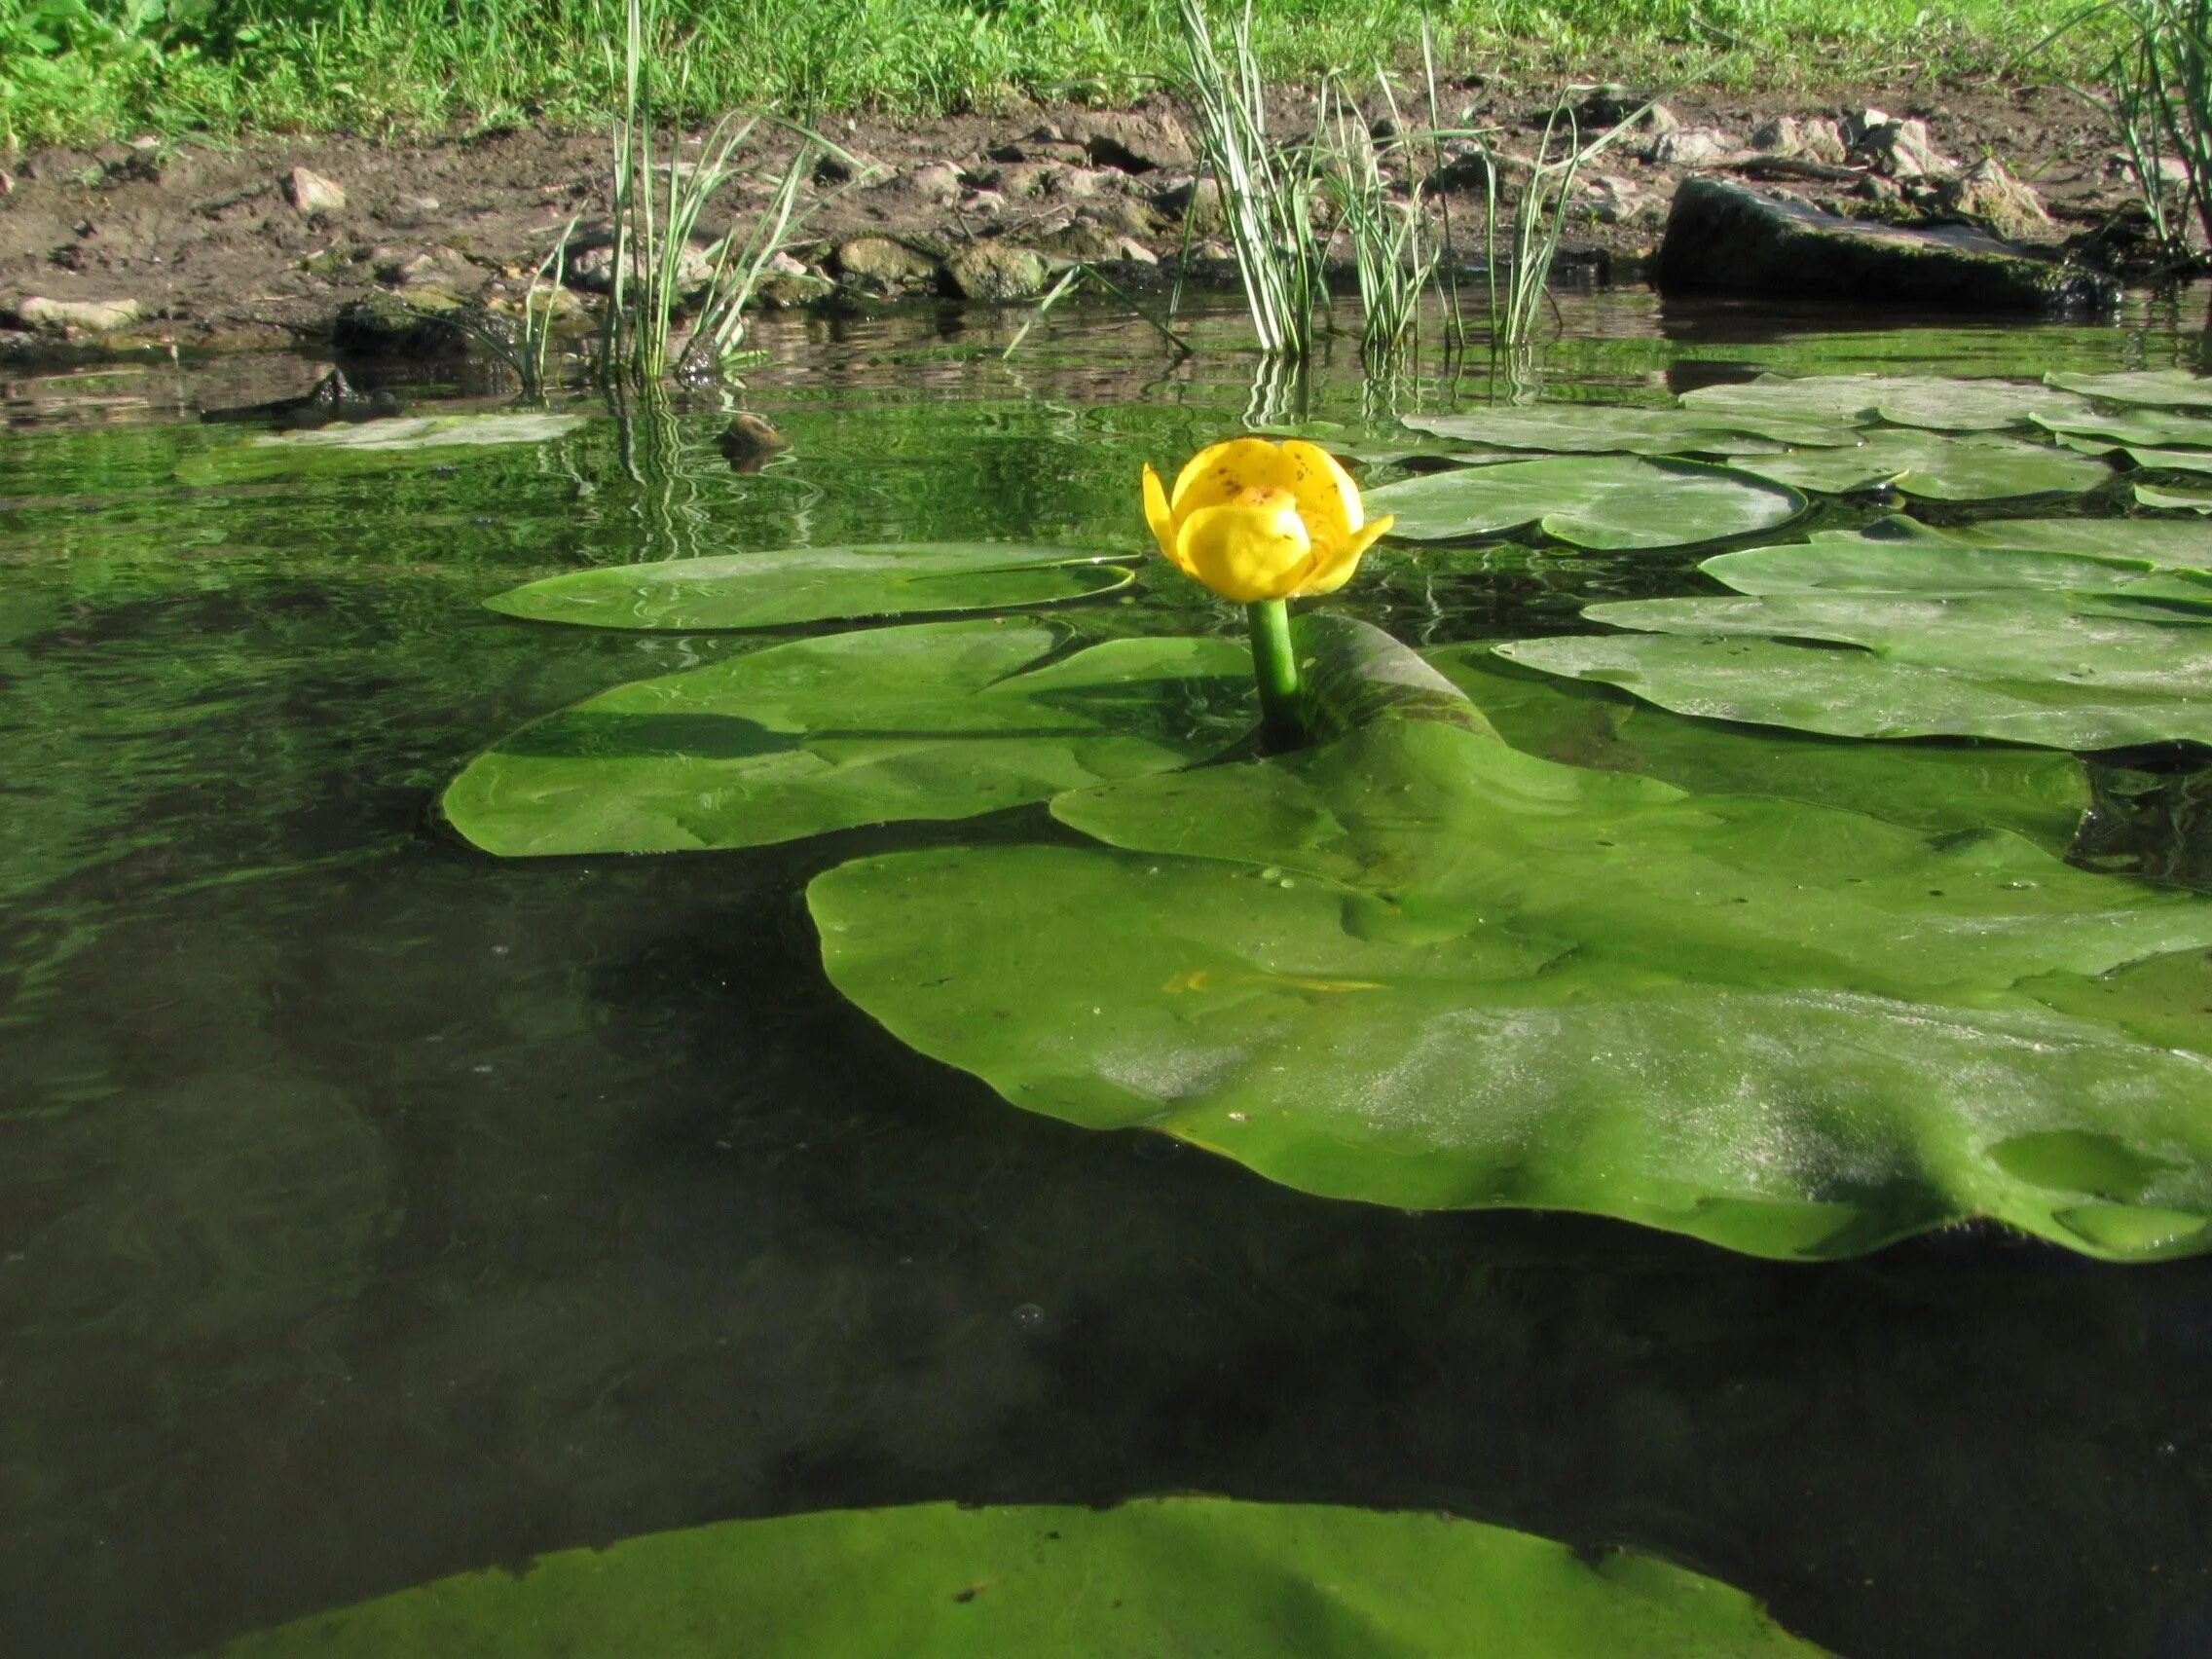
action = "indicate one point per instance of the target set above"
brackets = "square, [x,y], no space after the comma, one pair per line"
[227,248]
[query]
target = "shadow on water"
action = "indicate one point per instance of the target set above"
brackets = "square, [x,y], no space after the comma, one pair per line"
[371,1210]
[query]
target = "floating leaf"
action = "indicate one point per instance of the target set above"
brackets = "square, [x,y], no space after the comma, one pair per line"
[1180,1575]
[1905,400]
[283,454]
[2180,497]
[2139,543]
[1418,968]
[2171,460]
[1933,467]
[1939,787]
[1940,565]
[933,720]
[1598,501]
[1594,428]
[2116,431]
[2160,388]
[814,584]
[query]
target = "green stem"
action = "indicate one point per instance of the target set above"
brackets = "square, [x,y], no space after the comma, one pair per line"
[1275,666]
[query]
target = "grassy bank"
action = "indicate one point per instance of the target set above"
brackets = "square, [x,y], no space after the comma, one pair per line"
[87,69]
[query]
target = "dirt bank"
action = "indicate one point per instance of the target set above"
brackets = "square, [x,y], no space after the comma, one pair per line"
[207,248]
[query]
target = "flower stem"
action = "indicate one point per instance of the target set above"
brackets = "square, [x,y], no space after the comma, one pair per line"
[1275,666]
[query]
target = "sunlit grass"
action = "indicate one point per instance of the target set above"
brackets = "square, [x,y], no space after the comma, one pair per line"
[384,66]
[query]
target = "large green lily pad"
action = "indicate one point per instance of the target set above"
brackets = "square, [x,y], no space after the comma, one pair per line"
[812,584]
[2171,459]
[1931,467]
[1940,787]
[1603,502]
[2151,429]
[2139,543]
[934,720]
[1182,1575]
[1903,400]
[2158,388]
[1418,968]
[1597,428]
[1952,640]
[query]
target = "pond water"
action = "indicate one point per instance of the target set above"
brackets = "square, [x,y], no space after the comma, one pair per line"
[373,1209]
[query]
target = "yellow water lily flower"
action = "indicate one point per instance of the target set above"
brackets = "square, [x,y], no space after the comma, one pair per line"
[1257,521]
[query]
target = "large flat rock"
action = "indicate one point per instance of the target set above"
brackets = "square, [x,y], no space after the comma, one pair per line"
[1727,238]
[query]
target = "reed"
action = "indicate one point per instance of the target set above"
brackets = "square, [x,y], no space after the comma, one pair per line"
[2157,90]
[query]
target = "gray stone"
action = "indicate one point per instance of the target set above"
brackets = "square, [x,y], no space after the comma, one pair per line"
[1987,191]
[1135,140]
[1198,202]
[878,262]
[996,271]
[1729,237]
[592,267]
[791,290]
[312,195]
[1692,147]
[77,317]
[1816,138]
[1895,149]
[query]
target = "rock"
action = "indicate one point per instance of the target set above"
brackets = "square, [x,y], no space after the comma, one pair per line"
[1198,202]
[1731,239]
[386,325]
[331,400]
[935,184]
[406,212]
[792,290]
[750,440]
[592,265]
[1895,149]
[1692,147]
[879,263]
[1608,104]
[312,195]
[1084,240]
[1044,144]
[1813,139]
[1988,191]
[1136,141]
[76,316]
[997,272]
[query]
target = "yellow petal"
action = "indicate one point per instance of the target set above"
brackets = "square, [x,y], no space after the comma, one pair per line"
[1157,515]
[1328,500]
[1245,552]
[1221,472]
[1331,569]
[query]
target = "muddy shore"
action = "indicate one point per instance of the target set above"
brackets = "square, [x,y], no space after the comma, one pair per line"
[196,247]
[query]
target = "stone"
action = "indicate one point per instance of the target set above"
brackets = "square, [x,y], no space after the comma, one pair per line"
[878,262]
[386,325]
[1084,240]
[1989,191]
[1135,141]
[1608,104]
[1692,147]
[1895,149]
[934,184]
[313,196]
[1196,201]
[996,271]
[1815,138]
[405,212]
[792,290]
[76,316]
[592,265]
[1727,238]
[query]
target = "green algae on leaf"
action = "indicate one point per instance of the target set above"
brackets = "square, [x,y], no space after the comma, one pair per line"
[1941,404]
[1418,968]
[1602,501]
[780,587]
[934,720]
[1174,1576]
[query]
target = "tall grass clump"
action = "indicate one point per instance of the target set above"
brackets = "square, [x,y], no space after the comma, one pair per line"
[1394,257]
[2158,91]
[1267,189]
[658,206]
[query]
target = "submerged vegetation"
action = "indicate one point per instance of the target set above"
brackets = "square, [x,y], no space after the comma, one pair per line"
[75,69]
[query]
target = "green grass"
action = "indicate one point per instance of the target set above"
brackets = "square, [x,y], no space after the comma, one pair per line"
[87,69]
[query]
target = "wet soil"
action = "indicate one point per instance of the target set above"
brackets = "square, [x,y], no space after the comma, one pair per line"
[221,249]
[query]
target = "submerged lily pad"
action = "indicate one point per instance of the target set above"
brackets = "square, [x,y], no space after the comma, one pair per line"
[1933,467]
[1597,428]
[1178,1576]
[928,721]
[2159,388]
[1600,502]
[815,584]
[1905,400]
[279,455]
[1939,787]
[1943,649]
[1418,968]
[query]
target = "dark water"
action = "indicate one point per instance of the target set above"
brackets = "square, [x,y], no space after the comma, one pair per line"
[371,1210]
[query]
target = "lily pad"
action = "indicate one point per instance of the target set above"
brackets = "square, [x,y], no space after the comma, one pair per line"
[283,455]
[2181,498]
[814,584]
[1905,400]
[1181,1575]
[2147,543]
[2116,431]
[1931,467]
[1597,501]
[2171,460]
[2159,388]
[1418,968]
[930,721]
[1939,787]
[1597,428]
